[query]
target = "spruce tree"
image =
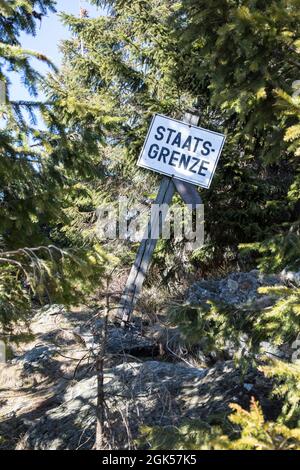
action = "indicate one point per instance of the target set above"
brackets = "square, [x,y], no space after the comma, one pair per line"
[38,168]
[246,55]
[237,63]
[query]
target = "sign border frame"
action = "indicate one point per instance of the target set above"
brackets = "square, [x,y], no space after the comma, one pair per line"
[175,176]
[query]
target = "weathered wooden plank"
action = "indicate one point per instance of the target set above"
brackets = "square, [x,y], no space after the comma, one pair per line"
[188,193]
[139,269]
[143,259]
[162,190]
[146,259]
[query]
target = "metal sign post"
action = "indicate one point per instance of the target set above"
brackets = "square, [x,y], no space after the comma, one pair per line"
[163,141]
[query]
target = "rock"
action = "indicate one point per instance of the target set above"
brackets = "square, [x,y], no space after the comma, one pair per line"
[40,359]
[43,314]
[59,411]
[291,276]
[130,342]
[37,355]
[238,289]
[149,393]
[271,350]
[197,293]
[245,288]
[232,285]
[119,340]
[248,387]
[264,301]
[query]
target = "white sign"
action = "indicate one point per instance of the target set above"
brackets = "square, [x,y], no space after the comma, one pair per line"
[177,149]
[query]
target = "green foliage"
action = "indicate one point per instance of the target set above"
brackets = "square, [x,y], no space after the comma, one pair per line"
[251,432]
[244,52]
[256,434]
[237,62]
[46,274]
[111,76]
[15,299]
[287,378]
[217,327]
[44,151]
[247,55]
[210,324]
[193,436]
[281,322]
[291,109]
[28,180]
[278,252]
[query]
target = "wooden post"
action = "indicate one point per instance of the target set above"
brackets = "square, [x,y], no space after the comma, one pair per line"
[142,262]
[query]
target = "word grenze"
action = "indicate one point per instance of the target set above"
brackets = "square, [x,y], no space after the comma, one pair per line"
[185,152]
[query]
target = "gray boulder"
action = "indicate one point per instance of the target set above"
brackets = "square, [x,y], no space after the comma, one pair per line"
[289,276]
[238,289]
[150,393]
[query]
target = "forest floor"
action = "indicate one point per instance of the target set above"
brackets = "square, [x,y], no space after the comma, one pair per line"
[48,389]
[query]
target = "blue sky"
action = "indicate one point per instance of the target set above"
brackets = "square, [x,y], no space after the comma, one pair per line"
[47,40]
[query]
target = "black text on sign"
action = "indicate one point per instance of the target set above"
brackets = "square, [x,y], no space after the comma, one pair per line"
[177,149]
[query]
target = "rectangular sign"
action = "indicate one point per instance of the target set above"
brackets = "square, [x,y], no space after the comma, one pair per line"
[181,150]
